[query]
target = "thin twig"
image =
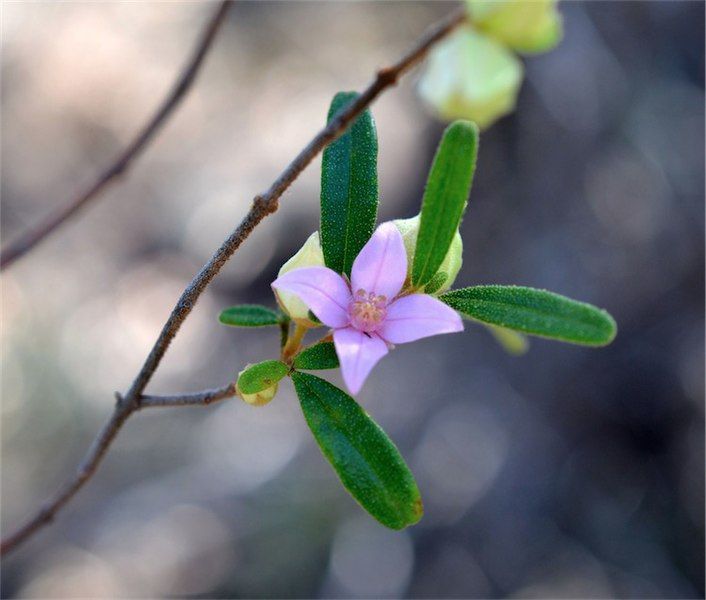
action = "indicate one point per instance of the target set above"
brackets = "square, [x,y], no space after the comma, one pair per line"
[100,446]
[204,398]
[262,206]
[35,234]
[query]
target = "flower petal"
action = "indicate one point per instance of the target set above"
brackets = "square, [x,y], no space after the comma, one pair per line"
[358,353]
[418,316]
[381,266]
[324,291]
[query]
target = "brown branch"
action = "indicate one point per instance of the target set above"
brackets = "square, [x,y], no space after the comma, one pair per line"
[35,234]
[83,473]
[205,398]
[262,206]
[99,448]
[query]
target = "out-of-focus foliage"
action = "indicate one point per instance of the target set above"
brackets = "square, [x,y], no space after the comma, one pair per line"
[474,74]
[471,76]
[525,26]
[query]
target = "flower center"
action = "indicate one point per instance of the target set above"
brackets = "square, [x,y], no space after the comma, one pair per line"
[367,311]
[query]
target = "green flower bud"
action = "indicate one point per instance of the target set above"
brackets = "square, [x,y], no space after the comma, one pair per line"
[527,26]
[409,228]
[257,384]
[309,255]
[471,76]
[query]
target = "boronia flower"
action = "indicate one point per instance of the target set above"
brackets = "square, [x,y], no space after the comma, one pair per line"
[372,312]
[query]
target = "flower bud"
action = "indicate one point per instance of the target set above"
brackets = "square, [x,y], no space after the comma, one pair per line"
[309,255]
[260,398]
[525,26]
[471,76]
[409,228]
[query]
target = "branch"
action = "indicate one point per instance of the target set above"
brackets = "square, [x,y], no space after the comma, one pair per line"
[262,206]
[100,446]
[204,398]
[30,238]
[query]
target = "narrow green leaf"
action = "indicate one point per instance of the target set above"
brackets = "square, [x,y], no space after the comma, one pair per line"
[316,357]
[366,460]
[536,312]
[445,198]
[249,315]
[436,282]
[258,377]
[349,189]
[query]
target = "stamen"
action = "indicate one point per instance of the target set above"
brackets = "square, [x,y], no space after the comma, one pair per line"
[367,311]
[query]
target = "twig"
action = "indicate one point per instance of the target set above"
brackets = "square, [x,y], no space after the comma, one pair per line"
[83,473]
[204,398]
[100,446]
[262,206]
[30,238]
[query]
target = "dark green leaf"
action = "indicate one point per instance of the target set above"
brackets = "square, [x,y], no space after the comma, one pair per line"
[436,282]
[445,198]
[316,357]
[249,315]
[261,376]
[349,189]
[366,460]
[536,312]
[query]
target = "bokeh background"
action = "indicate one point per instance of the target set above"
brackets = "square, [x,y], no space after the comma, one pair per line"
[568,472]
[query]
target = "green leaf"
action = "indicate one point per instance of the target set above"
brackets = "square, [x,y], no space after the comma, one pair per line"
[349,189]
[536,312]
[436,282]
[445,198]
[366,460]
[258,377]
[314,319]
[319,356]
[249,315]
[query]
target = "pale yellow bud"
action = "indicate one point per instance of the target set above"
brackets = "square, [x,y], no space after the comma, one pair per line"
[260,398]
[471,76]
[309,255]
[527,26]
[409,228]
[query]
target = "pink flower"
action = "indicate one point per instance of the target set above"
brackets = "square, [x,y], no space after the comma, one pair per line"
[369,315]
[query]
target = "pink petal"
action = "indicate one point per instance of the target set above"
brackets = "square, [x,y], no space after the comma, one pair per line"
[381,266]
[358,353]
[418,316]
[324,291]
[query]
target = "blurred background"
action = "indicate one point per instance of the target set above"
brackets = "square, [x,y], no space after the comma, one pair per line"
[566,473]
